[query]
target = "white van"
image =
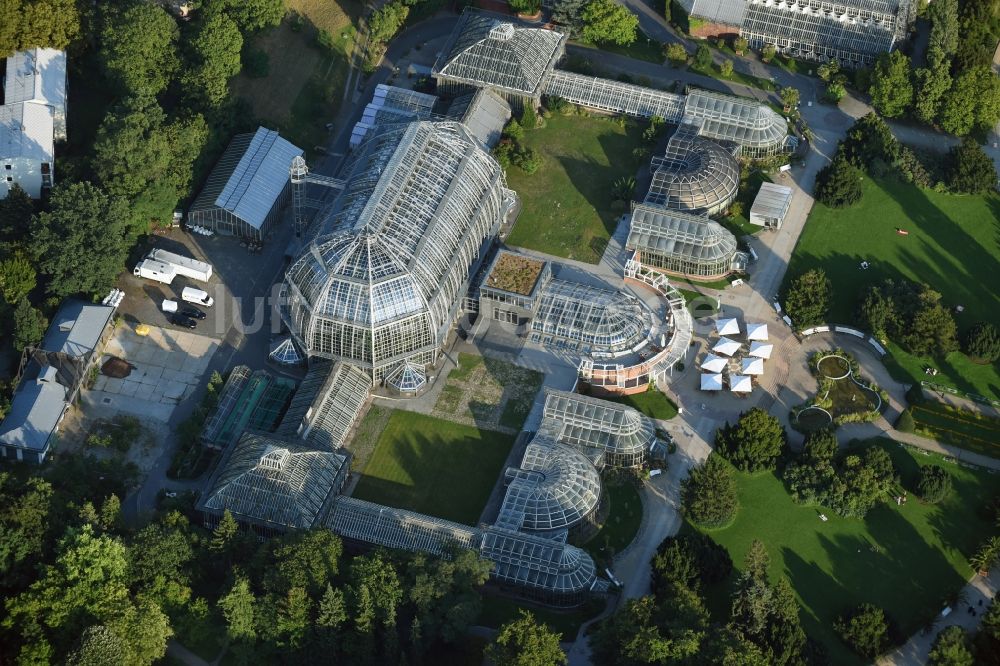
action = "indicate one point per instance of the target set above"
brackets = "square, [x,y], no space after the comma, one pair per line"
[192,295]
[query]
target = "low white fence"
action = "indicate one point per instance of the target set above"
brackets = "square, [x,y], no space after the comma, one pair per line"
[876,345]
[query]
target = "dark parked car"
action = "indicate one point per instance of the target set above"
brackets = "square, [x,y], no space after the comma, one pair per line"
[181,320]
[194,313]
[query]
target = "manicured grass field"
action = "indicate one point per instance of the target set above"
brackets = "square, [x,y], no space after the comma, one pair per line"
[643,48]
[971,431]
[652,403]
[952,246]
[567,203]
[433,466]
[906,559]
[622,524]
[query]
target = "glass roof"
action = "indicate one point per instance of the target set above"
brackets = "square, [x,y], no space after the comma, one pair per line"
[591,423]
[695,175]
[286,353]
[602,319]
[275,483]
[656,229]
[747,122]
[487,50]
[407,378]
[555,487]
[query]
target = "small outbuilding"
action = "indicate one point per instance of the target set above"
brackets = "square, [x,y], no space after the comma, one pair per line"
[771,205]
[244,193]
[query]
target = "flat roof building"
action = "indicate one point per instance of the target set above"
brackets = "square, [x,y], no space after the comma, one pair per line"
[771,205]
[244,193]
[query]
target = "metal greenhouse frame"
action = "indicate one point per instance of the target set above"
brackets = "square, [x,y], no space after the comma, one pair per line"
[677,242]
[621,432]
[589,318]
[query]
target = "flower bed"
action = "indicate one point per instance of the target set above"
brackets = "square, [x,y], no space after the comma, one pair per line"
[843,393]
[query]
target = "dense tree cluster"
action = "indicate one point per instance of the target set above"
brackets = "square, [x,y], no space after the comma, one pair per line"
[525,642]
[933,484]
[911,314]
[951,648]
[29,23]
[807,300]
[609,22]
[865,629]
[754,442]
[708,494]
[982,342]
[838,184]
[569,13]
[970,169]
[849,483]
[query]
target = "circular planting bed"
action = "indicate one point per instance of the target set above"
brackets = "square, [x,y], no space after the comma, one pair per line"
[812,419]
[834,367]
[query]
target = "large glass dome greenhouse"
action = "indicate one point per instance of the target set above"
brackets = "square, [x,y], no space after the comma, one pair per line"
[696,174]
[420,202]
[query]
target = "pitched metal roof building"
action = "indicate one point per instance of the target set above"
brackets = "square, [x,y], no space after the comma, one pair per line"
[35,412]
[244,193]
[681,243]
[32,118]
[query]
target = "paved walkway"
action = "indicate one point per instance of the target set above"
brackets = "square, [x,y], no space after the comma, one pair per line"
[978,591]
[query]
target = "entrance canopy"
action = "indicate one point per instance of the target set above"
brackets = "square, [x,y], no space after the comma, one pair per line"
[726,347]
[740,384]
[727,327]
[713,363]
[711,382]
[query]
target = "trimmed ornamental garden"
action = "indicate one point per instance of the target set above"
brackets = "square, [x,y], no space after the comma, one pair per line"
[843,395]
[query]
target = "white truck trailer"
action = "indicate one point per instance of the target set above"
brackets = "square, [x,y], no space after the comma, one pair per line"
[155,270]
[192,268]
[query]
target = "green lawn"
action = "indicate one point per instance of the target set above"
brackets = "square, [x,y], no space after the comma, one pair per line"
[704,306]
[736,77]
[643,48]
[567,204]
[907,560]
[622,524]
[952,246]
[652,403]
[967,430]
[750,182]
[433,466]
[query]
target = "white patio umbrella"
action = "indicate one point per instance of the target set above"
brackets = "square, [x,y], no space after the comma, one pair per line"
[740,384]
[753,366]
[711,382]
[726,347]
[713,363]
[756,331]
[761,349]
[727,327]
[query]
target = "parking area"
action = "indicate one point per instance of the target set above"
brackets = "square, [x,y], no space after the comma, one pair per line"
[166,366]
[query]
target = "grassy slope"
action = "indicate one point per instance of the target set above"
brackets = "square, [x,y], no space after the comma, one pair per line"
[567,202]
[651,403]
[624,518]
[952,246]
[831,565]
[433,466]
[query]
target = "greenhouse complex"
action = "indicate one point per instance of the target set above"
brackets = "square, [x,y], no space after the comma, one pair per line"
[407,245]
[852,32]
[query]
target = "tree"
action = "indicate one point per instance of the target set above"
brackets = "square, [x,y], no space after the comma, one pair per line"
[768,52]
[930,327]
[30,23]
[789,97]
[15,211]
[331,616]
[29,325]
[708,494]
[251,15]
[386,22]
[951,648]
[828,71]
[238,608]
[905,422]
[17,278]
[676,54]
[839,183]
[524,642]
[970,169]
[740,45]
[214,55]
[647,632]
[99,646]
[159,553]
[987,556]
[144,630]
[973,101]
[726,68]
[703,57]
[933,484]
[609,22]
[569,13]
[293,618]
[87,582]
[987,639]
[865,629]
[808,299]
[139,49]
[689,560]
[932,83]
[868,140]
[835,92]
[754,443]
[943,15]
[982,342]
[525,7]
[82,241]
[308,559]
[892,89]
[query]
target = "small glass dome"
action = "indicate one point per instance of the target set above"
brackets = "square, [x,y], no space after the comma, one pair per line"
[407,379]
[285,352]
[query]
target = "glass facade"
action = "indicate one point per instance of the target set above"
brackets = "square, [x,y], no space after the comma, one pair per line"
[681,243]
[589,317]
[696,175]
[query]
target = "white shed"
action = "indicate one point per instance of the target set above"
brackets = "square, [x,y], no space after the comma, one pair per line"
[771,205]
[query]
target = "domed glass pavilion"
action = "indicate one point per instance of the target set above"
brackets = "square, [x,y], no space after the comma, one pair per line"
[696,175]
[421,202]
[676,242]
